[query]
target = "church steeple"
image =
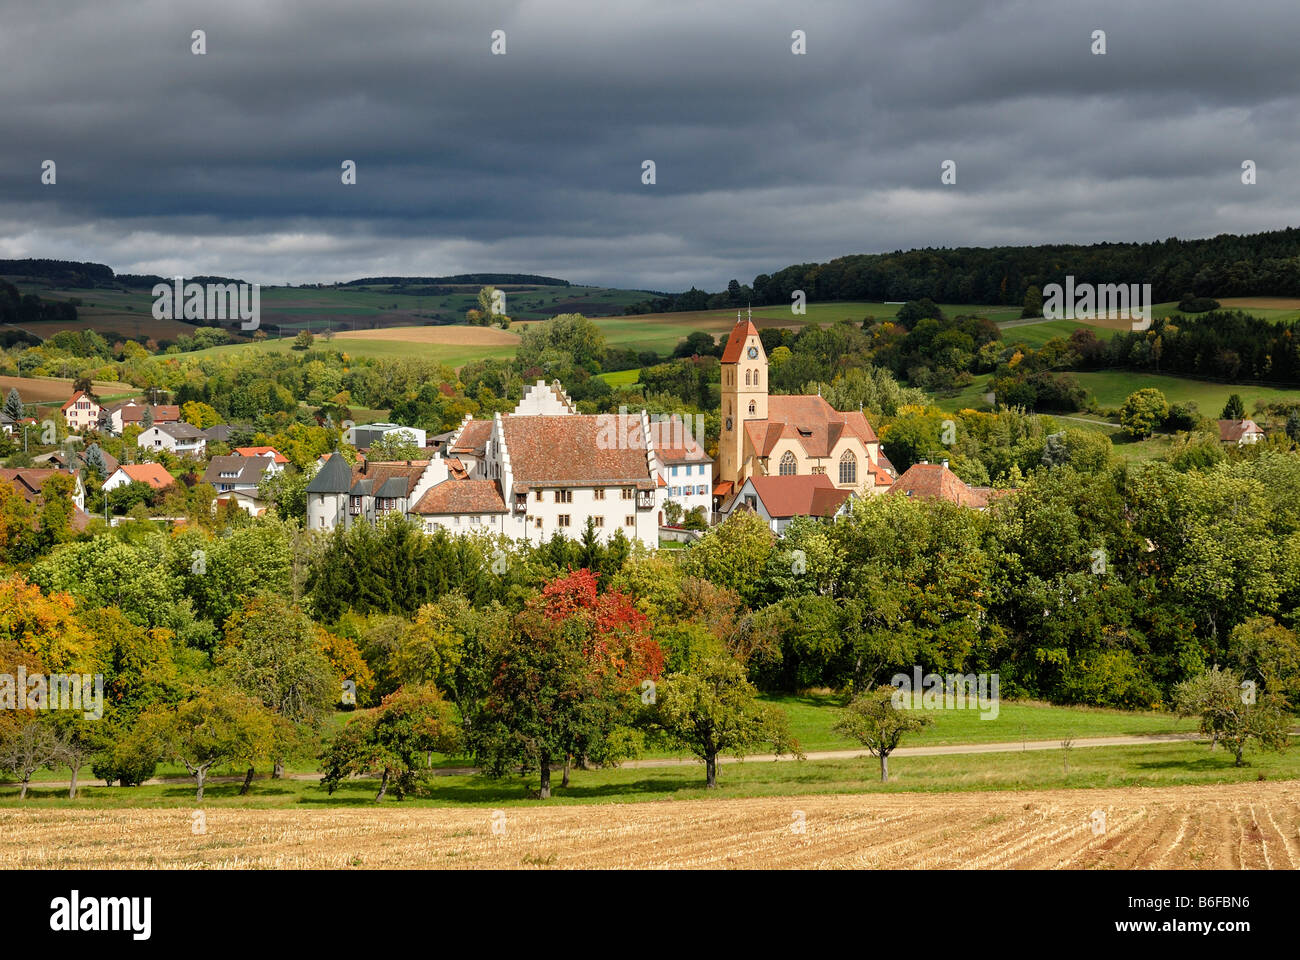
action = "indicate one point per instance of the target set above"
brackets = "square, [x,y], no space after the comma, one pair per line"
[744,396]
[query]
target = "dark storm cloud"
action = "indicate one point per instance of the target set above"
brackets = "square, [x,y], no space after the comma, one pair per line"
[229,162]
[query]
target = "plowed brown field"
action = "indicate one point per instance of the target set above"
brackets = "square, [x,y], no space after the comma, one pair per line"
[1232,826]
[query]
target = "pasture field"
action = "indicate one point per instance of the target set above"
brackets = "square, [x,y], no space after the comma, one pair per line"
[1241,824]
[1111,387]
[621,378]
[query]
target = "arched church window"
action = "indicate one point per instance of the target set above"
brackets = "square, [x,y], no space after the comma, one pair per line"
[789,466]
[753,408]
[848,467]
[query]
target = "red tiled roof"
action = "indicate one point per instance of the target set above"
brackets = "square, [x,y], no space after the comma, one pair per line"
[133,412]
[454,497]
[1231,431]
[934,481]
[810,420]
[261,452]
[28,480]
[74,398]
[473,437]
[736,340]
[576,450]
[809,495]
[150,473]
[722,488]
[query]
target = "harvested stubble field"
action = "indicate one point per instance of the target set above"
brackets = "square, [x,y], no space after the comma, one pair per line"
[1230,826]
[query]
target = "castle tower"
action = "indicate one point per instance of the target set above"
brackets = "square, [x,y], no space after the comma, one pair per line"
[744,397]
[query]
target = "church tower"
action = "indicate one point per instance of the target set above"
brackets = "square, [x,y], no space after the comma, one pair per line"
[744,397]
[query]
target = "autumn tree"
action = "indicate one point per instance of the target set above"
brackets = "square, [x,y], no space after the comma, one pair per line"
[558,684]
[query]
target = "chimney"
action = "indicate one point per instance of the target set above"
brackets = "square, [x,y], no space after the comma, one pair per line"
[945,464]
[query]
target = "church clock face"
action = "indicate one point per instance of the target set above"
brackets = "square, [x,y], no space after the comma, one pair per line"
[753,353]
[728,423]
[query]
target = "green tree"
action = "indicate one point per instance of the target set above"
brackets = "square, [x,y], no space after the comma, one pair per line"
[1234,409]
[395,445]
[876,721]
[1232,713]
[1143,411]
[271,651]
[734,554]
[214,726]
[540,699]
[27,747]
[393,741]
[80,738]
[303,340]
[716,710]
[14,404]
[1033,303]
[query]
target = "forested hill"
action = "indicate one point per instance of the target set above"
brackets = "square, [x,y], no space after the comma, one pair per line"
[1261,264]
[58,273]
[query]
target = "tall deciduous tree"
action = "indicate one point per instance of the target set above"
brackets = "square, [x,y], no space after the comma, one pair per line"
[271,651]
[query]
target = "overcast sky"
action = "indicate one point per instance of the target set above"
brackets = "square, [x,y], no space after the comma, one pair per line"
[229,163]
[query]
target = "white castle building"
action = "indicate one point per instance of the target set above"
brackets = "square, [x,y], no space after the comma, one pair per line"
[540,470]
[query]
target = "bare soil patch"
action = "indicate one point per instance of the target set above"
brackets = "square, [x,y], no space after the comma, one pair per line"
[457,334]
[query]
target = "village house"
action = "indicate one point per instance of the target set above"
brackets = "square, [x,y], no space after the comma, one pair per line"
[277,461]
[118,417]
[81,411]
[28,482]
[538,471]
[237,479]
[363,436]
[153,474]
[778,500]
[342,495]
[181,439]
[934,481]
[63,460]
[788,436]
[686,471]
[1240,433]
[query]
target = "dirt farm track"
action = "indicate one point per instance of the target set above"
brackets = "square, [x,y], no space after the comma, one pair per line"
[1233,826]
